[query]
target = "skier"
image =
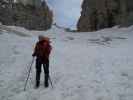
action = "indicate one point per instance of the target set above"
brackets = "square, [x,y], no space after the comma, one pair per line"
[41,52]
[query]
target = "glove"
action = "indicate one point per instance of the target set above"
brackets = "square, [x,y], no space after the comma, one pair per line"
[33,55]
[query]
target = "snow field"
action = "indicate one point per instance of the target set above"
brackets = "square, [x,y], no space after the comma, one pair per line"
[83,66]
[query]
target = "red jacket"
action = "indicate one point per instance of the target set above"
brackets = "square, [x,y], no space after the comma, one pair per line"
[42,50]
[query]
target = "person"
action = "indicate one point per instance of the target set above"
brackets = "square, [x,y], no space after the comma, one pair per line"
[41,52]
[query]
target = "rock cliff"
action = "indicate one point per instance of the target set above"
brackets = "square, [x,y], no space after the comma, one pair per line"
[26,15]
[99,14]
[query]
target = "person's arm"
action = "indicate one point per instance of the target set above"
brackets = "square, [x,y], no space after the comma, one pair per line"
[49,49]
[35,51]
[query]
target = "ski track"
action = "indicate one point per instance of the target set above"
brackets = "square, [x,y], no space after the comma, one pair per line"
[80,70]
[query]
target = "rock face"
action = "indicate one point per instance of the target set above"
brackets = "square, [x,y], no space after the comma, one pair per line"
[28,15]
[30,2]
[98,14]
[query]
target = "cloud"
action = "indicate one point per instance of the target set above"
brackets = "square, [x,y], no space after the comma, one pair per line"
[66,12]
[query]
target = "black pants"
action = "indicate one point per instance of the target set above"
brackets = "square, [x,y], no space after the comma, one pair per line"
[39,64]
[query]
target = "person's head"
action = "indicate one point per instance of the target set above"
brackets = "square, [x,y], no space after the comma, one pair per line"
[40,37]
[43,38]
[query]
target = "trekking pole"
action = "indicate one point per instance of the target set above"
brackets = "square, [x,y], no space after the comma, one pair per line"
[28,74]
[50,81]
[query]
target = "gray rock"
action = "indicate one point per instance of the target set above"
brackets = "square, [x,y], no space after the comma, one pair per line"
[26,15]
[99,14]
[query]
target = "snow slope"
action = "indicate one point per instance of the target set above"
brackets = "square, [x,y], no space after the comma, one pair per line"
[84,66]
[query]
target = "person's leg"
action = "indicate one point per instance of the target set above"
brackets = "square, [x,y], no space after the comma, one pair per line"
[46,72]
[38,72]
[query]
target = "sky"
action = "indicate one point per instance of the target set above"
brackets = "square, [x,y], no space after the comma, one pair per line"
[66,12]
